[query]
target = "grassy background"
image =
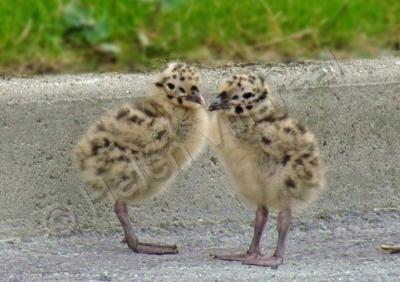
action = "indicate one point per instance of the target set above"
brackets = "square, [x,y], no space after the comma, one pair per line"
[40,36]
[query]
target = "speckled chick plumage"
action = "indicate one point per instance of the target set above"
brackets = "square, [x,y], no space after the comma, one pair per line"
[273,159]
[132,153]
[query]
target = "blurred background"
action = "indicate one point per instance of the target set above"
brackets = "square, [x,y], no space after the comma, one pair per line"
[64,36]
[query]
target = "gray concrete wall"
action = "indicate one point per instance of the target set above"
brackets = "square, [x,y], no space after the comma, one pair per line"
[353,107]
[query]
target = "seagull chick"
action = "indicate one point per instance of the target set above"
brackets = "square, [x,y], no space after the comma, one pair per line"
[134,152]
[273,160]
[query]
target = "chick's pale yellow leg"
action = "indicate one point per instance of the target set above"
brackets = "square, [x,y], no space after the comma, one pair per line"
[284,219]
[121,210]
[254,249]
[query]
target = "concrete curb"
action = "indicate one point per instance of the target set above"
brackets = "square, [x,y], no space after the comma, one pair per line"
[353,107]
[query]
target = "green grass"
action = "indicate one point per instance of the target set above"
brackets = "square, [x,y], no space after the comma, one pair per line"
[73,36]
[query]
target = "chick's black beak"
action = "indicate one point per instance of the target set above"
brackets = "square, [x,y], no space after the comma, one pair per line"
[195,96]
[218,104]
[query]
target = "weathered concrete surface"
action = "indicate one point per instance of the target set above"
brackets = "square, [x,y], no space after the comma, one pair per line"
[334,248]
[353,107]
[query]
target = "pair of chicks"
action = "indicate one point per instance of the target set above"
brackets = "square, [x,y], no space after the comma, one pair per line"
[133,153]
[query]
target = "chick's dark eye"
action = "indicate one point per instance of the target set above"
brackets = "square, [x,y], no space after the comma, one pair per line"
[239,110]
[247,95]
[235,97]
[170,86]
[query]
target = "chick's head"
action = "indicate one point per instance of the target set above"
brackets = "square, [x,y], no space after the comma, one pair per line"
[241,95]
[179,83]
